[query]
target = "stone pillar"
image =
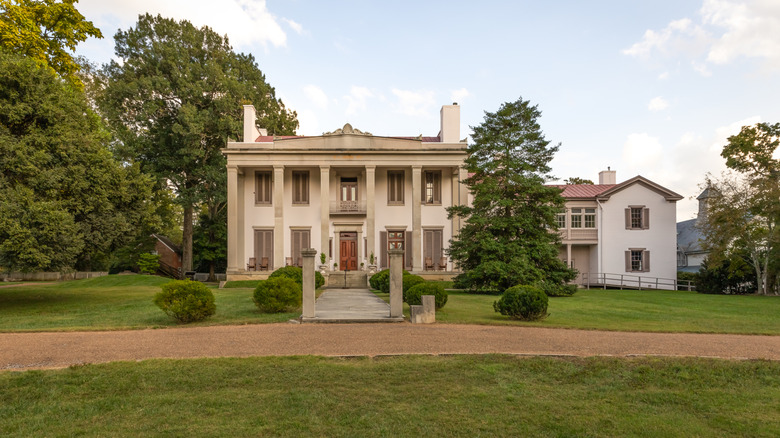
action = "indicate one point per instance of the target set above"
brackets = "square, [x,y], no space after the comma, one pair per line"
[278,217]
[370,211]
[568,255]
[324,209]
[308,282]
[396,282]
[416,218]
[241,235]
[234,264]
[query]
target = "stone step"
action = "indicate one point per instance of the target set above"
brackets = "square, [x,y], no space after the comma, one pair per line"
[347,279]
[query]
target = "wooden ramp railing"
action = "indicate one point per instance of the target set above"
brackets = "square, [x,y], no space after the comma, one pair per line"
[627,281]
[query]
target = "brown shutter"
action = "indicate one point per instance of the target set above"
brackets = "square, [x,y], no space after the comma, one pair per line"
[269,245]
[330,247]
[258,245]
[307,239]
[427,244]
[422,186]
[628,261]
[296,246]
[408,245]
[628,218]
[437,246]
[646,261]
[437,189]
[645,218]
[383,249]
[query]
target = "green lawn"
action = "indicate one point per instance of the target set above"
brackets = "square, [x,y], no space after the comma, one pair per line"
[112,303]
[630,310]
[490,396]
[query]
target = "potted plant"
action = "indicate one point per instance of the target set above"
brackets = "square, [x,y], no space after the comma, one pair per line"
[335,266]
[362,265]
[323,264]
[371,264]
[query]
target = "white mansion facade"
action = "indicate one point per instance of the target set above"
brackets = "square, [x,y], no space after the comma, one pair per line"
[350,195]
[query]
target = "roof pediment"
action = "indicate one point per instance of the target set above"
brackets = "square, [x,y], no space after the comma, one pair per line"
[644,182]
[347,129]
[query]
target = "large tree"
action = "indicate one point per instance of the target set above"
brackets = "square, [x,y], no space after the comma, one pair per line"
[45,31]
[65,202]
[509,236]
[174,97]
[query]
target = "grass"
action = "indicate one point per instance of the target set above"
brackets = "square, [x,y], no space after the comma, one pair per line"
[113,302]
[630,310]
[490,396]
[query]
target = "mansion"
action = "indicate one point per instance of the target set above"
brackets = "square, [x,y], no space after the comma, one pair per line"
[352,196]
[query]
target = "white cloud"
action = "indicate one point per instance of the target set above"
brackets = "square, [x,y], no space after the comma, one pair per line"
[459,95]
[316,96]
[356,99]
[642,151]
[701,68]
[294,26]
[657,104]
[678,35]
[664,75]
[245,22]
[415,103]
[724,132]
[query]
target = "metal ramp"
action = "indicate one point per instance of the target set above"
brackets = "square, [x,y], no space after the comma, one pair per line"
[605,280]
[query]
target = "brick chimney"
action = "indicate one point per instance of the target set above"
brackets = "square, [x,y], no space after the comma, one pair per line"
[607,177]
[450,123]
[250,128]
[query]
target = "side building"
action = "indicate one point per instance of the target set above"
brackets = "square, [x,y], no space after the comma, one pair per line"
[623,232]
[348,194]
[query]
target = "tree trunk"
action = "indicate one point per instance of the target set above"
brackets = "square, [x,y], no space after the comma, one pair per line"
[212,277]
[186,240]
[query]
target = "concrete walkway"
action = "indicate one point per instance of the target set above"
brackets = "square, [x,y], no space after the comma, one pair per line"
[350,305]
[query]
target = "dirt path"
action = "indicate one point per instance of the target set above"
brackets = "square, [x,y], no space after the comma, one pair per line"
[22,284]
[57,350]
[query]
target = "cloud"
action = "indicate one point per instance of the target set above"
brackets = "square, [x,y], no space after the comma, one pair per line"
[642,151]
[356,99]
[459,95]
[725,31]
[294,26]
[724,132]
[415,103]
[657,104]
[245,22]
[316,96]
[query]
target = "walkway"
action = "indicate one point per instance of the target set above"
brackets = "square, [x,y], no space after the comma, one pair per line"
[62,349]
[350,305]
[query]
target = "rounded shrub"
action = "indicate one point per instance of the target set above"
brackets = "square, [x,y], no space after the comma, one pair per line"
[414,295]
[277,295]
[557,290]
[186,301]
[295,273]
[381,280]
[412,280]
[527,303]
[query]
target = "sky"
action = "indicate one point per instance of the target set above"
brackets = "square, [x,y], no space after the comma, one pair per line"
[644,87]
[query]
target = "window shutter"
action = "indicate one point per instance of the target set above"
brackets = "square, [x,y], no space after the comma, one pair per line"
[269,248]
[628,261]
[296,246]
[437,190]
[437,246]
[646,261]
[259,243]
[645,218]
[428,244]
[383,249]
[307,239]
[408,246]
[628,218]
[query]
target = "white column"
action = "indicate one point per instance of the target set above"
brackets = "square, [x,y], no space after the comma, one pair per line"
[234,264]
[308,298]
[278,217]
[370,210]
[241,237]
[416,218]
[324,209]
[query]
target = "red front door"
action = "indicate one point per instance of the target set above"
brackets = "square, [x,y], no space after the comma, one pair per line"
[348,252]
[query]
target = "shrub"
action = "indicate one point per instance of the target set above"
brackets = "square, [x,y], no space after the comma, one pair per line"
[296,274]
[414,295]
[186,301]
[381,280]
[557,290]
[411,280]
[277,295]
[148,263]
[527,303]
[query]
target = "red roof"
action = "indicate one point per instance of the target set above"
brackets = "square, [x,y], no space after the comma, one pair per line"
[580,191]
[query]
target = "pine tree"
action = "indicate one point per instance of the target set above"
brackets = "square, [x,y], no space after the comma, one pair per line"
[509,236]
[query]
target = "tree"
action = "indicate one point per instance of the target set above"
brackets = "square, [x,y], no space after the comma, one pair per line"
[173,100]
[509,236]
[43,29]
[577,180]
[65,202]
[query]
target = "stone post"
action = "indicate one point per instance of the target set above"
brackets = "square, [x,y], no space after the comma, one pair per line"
[308,282]
[396,282]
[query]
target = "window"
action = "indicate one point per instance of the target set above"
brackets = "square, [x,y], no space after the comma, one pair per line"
[637,260]
[432,249]
[576,218]
[264,249]
[560,218]
[300,187]
[590,218]
[637,218]
[301,239]
[263,187]
[395,187]
[395,240]
[432,187]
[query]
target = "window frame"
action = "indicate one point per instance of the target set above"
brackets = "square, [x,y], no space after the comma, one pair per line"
[264,185]
[301,183]
[395,186]
[434,185]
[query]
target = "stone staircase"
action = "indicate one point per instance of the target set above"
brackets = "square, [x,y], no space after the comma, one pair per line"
[347,280]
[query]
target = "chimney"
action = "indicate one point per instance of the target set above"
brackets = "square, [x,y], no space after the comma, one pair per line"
[607,177]
[450,123]
[250,128]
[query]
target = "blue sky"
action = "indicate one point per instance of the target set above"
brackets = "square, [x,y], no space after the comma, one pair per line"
[648,88]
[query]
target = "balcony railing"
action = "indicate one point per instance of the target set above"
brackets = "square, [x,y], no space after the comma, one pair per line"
[348,207]
[579,234]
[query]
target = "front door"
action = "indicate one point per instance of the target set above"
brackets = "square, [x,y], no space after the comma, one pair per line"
[348,251]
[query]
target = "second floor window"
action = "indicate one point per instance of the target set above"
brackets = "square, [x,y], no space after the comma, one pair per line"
[637,218]
[395,187]
[590,218]
[432,187]
[300,187]
[561,220]
[263,187]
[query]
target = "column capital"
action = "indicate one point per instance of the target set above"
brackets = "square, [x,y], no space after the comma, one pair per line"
[370,167]
[324,168]
[417,167]
[278,166]
[232,167]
